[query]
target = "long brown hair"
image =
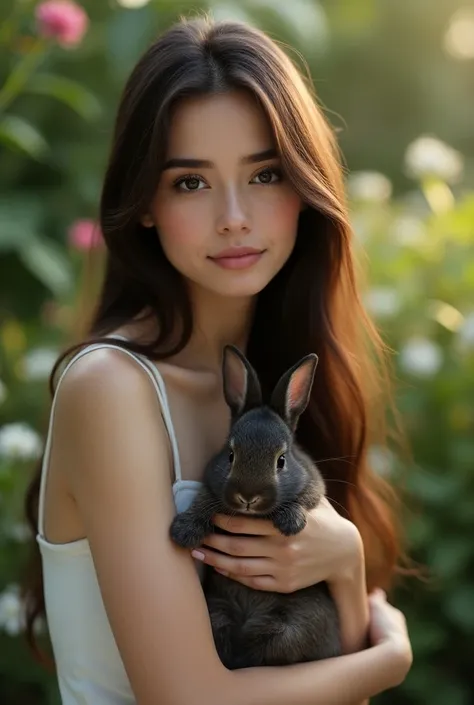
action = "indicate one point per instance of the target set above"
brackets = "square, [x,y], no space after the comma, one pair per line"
[312,305]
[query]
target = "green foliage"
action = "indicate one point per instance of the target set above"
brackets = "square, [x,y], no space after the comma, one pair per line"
[428,320]
[56,112]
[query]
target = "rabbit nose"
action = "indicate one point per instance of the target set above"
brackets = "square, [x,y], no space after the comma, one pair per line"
[248,501]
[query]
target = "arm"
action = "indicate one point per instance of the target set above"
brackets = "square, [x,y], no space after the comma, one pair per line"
[112,441]
[350,595]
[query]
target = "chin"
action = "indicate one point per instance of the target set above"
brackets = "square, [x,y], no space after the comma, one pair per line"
[238,291]
[237,284]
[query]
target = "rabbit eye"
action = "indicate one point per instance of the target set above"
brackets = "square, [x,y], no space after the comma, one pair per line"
[231,456]
[281,462]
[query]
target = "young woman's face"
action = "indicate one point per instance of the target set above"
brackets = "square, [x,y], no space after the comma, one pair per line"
[226,216]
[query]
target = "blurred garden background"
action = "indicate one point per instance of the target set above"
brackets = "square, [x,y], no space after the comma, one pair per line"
[396,79]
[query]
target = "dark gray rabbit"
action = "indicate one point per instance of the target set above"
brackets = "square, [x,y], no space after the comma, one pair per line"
[261,472]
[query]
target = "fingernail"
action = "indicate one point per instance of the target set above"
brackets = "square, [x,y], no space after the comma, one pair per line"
[198,555]
[222,572]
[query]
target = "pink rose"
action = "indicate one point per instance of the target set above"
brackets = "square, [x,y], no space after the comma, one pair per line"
[84,235]
[62,20]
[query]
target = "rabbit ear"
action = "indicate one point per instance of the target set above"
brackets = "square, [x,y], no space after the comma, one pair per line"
[291,394]
[241,386]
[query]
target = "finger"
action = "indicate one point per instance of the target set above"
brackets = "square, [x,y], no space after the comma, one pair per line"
[378,593]
[266,583]
[243,567]
[239,545]
[244,525]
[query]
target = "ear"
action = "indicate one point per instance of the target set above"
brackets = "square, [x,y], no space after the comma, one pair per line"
[291,394]
[241,386]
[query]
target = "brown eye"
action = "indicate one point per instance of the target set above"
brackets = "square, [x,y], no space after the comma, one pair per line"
[231,456]
[270,175]
[188,183]
[281,462]
[191,183]
[265,176]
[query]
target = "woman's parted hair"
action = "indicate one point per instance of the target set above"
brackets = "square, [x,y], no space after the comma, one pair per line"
[312,305]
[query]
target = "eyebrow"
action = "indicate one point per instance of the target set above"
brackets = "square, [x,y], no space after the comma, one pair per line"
[206,164]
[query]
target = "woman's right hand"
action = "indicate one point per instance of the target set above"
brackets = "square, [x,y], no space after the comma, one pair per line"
[388,626]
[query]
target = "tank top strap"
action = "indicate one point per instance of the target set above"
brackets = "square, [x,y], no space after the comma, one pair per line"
[159,385]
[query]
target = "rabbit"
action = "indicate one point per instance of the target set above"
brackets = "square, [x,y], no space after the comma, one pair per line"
[261,472]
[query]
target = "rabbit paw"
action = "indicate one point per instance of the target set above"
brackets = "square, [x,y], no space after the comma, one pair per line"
[290,521]
[187,531]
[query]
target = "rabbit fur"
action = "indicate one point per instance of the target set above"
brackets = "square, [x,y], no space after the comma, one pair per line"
[262,472]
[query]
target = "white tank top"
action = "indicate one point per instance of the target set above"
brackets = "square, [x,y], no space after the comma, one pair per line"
[90,670]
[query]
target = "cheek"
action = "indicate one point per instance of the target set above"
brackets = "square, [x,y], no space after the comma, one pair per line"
[175,225]
[280,216]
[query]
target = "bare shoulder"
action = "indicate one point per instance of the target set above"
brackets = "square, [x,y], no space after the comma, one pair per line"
[115,447]
[107,408]
[102,371]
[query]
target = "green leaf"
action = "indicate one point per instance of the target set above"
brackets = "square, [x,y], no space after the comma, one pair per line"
[434,488]
[428,637]
[48,262]
[450,555]
[460,607]
[229,11]
[19,215]
[304,19]
[126,34]
[17,133]
[69,92]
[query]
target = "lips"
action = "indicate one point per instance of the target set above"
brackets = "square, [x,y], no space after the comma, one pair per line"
[233,252]
[237,257]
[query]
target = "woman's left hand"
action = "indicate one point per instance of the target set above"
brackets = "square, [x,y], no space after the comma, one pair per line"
[328,549]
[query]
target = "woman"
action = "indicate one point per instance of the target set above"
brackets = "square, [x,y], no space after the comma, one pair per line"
[224,218]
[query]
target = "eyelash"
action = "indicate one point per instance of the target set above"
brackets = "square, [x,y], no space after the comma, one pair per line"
[182,179]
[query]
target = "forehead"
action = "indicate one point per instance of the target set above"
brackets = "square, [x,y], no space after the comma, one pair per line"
[259,429]
[207,127]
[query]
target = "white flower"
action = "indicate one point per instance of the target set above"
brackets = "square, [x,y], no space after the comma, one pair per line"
[12,617]
[466,331]
[369,186]
[3,392]
[459,37]
[18,440]
[421,357]
[38,363]
[381,460]
[383,301]
[409,230]
[428,156]
[133,4]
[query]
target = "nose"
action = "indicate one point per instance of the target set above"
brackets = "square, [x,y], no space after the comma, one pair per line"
[233,219]
[248,501]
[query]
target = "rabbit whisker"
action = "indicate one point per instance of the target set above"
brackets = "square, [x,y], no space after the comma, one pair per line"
[214,504]
[230,513]
[345,482]
[340,505]
[342,457]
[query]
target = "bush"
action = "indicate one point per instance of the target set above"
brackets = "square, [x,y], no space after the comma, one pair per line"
[418,246]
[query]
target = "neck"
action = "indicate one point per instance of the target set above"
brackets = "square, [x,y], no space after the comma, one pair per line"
[218,321]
